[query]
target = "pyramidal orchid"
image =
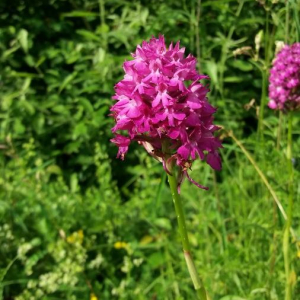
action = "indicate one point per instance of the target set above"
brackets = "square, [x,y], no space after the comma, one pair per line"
[284,94]
[284,87]
[161,104]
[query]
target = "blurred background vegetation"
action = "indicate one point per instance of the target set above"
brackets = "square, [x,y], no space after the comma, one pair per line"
[75,223]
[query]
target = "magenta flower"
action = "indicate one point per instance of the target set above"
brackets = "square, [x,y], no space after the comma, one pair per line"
[284,88]
[163,106]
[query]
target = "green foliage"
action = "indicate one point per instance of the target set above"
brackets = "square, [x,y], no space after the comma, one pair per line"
[78,224]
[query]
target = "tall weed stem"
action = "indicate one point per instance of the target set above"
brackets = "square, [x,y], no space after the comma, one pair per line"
[279,130]
[286,235]
[197,31]
[198,285]
[262,106]
[287,21]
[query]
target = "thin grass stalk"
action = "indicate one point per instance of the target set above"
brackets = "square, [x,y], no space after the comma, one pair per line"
[279,130]
[260,173]
[264,84]
[287,20]
[297,18]
[286,235]
[264,180]
[192,25]
[172,272]
[102,20]
[198,285]
[267,38]
[262,108]
[225,48]
[264,71]
[198,34]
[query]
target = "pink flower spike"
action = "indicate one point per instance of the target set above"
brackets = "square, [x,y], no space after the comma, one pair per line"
[284,87]
[158,106]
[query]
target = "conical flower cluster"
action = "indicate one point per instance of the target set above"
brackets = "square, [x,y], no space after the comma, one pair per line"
[162,105]
[284,88]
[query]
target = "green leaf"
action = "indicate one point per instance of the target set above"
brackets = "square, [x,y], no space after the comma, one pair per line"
[8,52]
[156,259]
[74,183]
[86,105]
[19,128]
[233,79]
[28,107]
[80,14]
[232,298]
[40,61]
[242,65]
[23,39]
[29,60]
[66,81]
[26,84]
[61,109]
[163,223]
[72,147]
[79,130]
[88,35]
[212,70]
[24,74]
[54,169]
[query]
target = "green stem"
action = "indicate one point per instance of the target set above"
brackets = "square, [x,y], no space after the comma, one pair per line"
[264,85]
[296,18]
[103,24]
[200,290]
[197,32]
[262,107]
[279,130]
[287,20]
[286,235]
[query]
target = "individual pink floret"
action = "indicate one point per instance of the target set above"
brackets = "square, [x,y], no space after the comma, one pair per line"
[284,87]
[161,102]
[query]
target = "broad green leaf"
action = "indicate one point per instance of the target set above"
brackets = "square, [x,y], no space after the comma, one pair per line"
[23,39]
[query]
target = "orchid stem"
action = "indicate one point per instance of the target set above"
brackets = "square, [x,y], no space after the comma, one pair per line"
[286,235]
[198,285]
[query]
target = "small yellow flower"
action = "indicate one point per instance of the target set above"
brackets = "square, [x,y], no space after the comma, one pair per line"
[71,239]
[80,236]
[298,254]
[76,237]
[121,245]
[93,297]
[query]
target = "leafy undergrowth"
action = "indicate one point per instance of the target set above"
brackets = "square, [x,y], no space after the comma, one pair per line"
[78,224]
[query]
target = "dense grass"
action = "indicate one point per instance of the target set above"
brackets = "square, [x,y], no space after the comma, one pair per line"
[78,224]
